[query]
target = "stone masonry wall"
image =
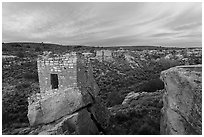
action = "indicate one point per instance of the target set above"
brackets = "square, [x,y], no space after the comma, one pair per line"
[64,66]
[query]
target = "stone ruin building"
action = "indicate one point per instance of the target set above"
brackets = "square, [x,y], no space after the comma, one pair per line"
[104,55]
[68,100]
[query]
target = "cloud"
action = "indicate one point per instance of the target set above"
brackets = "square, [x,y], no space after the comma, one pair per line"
[105,24]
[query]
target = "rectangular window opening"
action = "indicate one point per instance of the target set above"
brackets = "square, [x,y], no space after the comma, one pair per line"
[54,81]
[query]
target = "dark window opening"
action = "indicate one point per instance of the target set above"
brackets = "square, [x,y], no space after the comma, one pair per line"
[54,81]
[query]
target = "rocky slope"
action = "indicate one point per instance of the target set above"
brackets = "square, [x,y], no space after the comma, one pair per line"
[139,114]
[182,110]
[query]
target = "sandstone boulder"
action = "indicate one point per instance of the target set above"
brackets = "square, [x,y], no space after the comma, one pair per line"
[53,107]
[182,110]
[79,123]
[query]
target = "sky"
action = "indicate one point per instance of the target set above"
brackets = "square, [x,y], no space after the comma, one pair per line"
[104,24]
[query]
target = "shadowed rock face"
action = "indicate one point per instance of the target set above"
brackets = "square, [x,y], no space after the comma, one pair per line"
[182,110]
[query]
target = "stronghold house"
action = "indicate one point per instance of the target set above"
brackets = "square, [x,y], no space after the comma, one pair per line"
[66,85]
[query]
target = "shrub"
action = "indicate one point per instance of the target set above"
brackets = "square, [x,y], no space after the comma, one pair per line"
[37,49]
[14,105]
[167,63]
[141,118]
[20,54]
[22,86]
[146,129]
[16,45]
[31,76]
[114,98]
[120,117]
[153,85]
[4,49]
[46,47]
[28,46]
[28,64]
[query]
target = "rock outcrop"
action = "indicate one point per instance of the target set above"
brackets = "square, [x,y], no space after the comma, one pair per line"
[130,96]
[182,110]
[139,115]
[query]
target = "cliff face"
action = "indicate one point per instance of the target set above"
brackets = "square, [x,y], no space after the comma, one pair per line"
[182,110]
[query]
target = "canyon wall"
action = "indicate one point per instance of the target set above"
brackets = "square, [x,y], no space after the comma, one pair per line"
[182,101]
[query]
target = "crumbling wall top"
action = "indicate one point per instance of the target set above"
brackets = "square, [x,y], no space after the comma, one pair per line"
[51,56]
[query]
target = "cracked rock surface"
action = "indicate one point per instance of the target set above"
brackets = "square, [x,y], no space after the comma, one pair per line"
[182,110]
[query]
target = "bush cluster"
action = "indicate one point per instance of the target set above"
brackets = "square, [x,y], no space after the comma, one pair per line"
[142,118]
[31,76]
[153,85]
[14,105]
[20,54]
